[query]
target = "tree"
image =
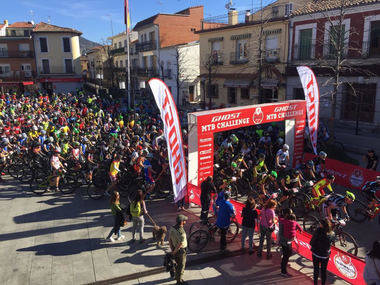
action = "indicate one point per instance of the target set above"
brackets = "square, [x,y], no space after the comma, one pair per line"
[211,63]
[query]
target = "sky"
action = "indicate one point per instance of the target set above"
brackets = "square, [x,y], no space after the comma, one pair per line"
[99,19]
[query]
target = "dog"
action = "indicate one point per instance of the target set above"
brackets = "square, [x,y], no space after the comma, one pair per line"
[159,234]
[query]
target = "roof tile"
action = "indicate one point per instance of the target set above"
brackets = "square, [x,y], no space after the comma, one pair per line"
[44,27]
[21,25]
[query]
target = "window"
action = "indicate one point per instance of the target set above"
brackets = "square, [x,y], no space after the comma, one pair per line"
[115,45]
[13,33]
[26,68]
[360,103]
[244,93]
[116,63]
[231,98]
[242,49]
[298,94]
[119,44]
[126,63]
[304,46]
[191,93]
[69,66]
[26,33]
[66,45]
[3,50]
[288,9]
[336,41]
[23,47]
[43,45]
[4,69]
[270,95]
[121,63]
[374,49]
[275,11]
[45,66]
[125,43]
[213,92]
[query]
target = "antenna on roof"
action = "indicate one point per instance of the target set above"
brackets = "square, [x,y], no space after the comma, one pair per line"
[49,20]
[229,5]
[31,13]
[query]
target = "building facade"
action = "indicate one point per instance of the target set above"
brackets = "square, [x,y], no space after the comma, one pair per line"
[57,55]
[17,63]
[315,42]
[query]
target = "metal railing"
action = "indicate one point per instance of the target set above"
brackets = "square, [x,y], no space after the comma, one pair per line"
[56,69]
[215,58]
[329,51]
[145,46]
[146,72]
[18,75]
[371,49]
[304,52]
[16,54]
[117,50]
[239,58]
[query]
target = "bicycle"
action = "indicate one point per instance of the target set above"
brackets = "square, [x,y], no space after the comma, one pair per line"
[40,184]
[345,240]
[363,212]
[200,238]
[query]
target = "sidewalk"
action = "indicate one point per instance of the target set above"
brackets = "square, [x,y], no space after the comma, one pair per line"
[57,239]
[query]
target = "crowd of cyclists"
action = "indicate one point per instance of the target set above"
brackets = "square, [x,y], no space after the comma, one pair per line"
[60,142]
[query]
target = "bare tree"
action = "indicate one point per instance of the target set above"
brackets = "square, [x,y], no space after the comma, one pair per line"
[211,62]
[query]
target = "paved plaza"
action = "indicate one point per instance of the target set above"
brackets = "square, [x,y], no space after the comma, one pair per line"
[56,239]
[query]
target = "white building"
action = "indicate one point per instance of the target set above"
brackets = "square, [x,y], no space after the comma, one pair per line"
[179,67]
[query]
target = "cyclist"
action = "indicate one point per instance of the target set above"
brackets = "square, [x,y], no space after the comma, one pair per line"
[268,181]
[57,168]
[282,157]
[334,202]
[260,167]
[114,171]
[289,183]
[319,163]
[308,172]
[232,171]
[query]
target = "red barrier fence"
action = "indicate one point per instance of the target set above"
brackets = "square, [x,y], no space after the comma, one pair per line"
[342,264]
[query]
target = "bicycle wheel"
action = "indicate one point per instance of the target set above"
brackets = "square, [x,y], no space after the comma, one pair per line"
[25,175]
[197,226]
[38,185]
[357,211]
[347,242]
[232,232]
[68,184]
[297,204]
[96,192]
[198,240]
[310,224]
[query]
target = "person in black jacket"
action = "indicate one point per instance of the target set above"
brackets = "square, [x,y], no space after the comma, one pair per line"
[207,188]
[321,242]
[249,215]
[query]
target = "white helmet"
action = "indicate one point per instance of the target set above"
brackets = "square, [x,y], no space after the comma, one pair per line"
[285,147]
[35,128]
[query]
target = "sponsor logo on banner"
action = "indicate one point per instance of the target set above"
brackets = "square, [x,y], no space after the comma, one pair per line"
[258,116]
[357,178]
[311,90]
[173,136]
[345,266]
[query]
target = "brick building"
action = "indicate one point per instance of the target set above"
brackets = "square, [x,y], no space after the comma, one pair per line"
[313,42]
[17,63]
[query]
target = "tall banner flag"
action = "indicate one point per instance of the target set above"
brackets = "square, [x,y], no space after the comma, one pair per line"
[311,90]
[173,136]
[127,17]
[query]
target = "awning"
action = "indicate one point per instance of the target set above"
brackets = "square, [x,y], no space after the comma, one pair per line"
[239,83]
[269,83]
[27,83]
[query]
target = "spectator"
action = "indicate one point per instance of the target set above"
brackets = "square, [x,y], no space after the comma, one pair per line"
[371,272]
[287,233]
[249,215]
[320,243]
[225,213]
[138,209]
[267,226]
[207,188]
[178,245]
[371,159]
[117,212]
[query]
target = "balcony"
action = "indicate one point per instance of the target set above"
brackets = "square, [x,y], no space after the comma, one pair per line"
[239,58]
[215,58]
[16,54]
[117,51]
[18,75]
[272,55]
[330,53]
[145,46]
[56,70]
[371,49]
[304,52]
[147,72]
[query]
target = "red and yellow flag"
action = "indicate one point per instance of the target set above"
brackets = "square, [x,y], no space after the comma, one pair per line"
[127,18]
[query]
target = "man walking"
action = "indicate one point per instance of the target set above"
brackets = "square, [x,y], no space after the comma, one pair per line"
[225,213]
[207,187]
[178,245]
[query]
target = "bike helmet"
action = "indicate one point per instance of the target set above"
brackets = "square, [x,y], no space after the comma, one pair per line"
[234,138]
[262,156]
[310,163]
[274,174]
[330,176]
[322,154]
[350,195]
[233,164]
[280,141]
[378,178]
[285,147]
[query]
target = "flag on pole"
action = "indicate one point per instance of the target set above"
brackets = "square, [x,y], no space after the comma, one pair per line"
[127,18]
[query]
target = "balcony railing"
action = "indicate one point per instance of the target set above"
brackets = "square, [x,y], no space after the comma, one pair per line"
[56,70]
[304,52]
[147,72]
[18,75]
[16,54]
[117,50]
[329,52]
[272,55]
[239,58]
[371,49]
[216,58]
[145,46]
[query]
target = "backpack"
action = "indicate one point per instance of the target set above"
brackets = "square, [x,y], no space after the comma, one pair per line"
[135,209]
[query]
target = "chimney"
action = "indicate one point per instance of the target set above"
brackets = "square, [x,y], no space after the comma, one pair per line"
[6,22]
[247,16]
[232,17]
